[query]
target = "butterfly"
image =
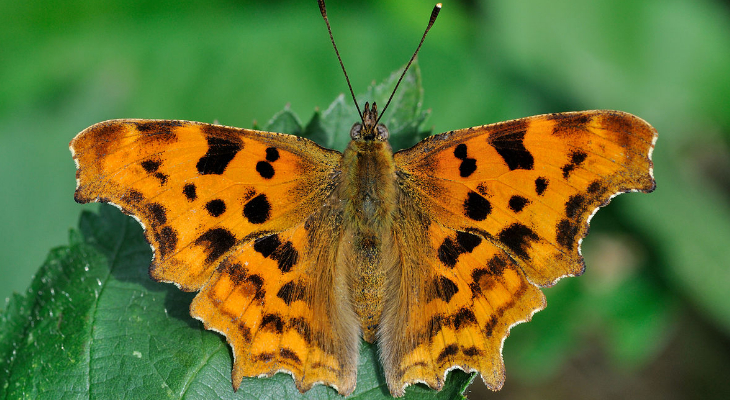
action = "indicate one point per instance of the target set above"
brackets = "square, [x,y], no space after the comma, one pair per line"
[433,252]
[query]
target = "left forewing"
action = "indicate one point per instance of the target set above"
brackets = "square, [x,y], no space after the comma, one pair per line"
[199,190]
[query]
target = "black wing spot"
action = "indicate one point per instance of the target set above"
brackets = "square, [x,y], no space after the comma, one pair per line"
[460,151]
[566,233]
[476,207]
[265,169]
[272,322]
[468,165]
[483,189]
[235,271]
[478,273]
[444,288]
[496,265]
[541,184]
[289,355]
[216,207]
[217,242]
[463,317]
[291,292]
[257,210]
[576,159]
[267,245]
[244,331]
[272,154]
[489,326]
[448,351]
[133,196]
[272,247]
[595,187]
[472,352]
[517,203]
[517,237]
[161,177]
[151,166]
[435,325]
[158,213]
[220,153]
[574,205]
[166,239]
[467,241]
[287,257]
[189,190]
[449,251]
[511,148]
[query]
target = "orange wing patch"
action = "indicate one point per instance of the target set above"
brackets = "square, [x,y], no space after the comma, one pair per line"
[473,295]
[228,211]
[261,297]
[258,222]
[507,206]
[218,175]
[531,185]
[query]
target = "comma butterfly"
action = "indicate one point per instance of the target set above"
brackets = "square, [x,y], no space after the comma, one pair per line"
[433,252]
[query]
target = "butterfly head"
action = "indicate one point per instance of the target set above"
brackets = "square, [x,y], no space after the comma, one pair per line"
[369,129]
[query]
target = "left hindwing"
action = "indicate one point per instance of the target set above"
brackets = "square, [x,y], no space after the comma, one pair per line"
[497,211]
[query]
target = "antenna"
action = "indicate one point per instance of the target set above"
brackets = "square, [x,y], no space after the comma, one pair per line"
[323,10]
[431,20]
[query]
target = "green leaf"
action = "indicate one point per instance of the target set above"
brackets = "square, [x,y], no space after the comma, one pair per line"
[93,323]
[331,129]
[285,121]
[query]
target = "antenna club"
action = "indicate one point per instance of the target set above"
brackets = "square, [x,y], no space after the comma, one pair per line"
[435,13]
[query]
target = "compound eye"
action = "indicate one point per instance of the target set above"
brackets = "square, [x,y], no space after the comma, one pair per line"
[355,131]
[383,133]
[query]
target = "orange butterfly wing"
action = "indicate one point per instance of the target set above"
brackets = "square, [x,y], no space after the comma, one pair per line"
[230,212]
[497,211]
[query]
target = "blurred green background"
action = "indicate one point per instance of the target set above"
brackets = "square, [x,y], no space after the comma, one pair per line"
[651,316]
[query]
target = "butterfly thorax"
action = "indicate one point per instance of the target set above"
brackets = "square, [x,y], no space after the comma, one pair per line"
[369,193]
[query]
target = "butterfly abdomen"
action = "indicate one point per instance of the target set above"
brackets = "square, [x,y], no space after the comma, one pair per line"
[368,191]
